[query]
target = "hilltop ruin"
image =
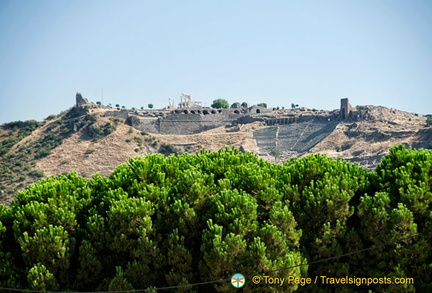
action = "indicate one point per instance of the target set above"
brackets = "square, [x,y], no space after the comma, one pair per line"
[191,118]
[283,132]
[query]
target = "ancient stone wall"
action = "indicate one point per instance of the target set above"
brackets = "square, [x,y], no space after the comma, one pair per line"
[190,121]
[116,113]
[146,124]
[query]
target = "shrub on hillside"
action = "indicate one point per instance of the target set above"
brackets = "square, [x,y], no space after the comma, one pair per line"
[36,174]
[51,117]
[41,153]
[167,149]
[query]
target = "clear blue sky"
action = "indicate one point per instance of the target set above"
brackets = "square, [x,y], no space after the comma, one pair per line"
[312,53]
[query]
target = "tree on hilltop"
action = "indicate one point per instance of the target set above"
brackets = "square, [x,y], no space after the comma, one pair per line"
[235,105]
[220,103]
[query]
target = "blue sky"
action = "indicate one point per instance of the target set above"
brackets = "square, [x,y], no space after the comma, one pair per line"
[311,53]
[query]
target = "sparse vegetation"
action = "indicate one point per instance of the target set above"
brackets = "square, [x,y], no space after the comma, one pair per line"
[23,129]
[429,121]
[90,118]
[89,151]
[343,148]
[167,149]
[36,174]
[138,140]
[51,117]
[98,131]
[116,121]
[7,144]
[49,142]
[41,153]
[18,167]
[264,105]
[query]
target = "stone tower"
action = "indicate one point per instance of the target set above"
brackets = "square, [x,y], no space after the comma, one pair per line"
[345,108]
[80,101]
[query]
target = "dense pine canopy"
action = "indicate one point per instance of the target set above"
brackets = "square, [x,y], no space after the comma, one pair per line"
[161,221]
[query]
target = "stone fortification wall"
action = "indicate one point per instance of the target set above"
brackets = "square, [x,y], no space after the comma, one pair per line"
[299,118]
[116,113]
[147,124]
[192,123]
[176,122]
[247,119]
[188,121]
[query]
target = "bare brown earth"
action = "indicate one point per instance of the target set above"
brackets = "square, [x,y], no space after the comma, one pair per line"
[364,142]
[87,157]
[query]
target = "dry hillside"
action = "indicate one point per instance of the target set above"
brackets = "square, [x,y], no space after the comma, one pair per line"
[92,143]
